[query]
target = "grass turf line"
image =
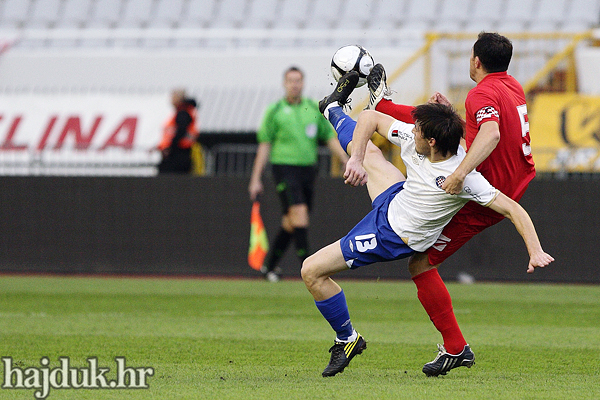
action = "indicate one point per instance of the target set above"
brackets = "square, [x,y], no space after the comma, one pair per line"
[236,339]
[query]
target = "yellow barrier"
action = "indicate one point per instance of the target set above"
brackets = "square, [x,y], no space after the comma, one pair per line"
[565,132]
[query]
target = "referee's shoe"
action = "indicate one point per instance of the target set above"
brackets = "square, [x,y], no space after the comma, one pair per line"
[445,361]
[342,353]
[342,91]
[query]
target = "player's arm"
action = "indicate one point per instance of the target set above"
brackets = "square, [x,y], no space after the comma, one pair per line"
[400,112]
[369,122]
[519,217]
[485,142]
[262,156]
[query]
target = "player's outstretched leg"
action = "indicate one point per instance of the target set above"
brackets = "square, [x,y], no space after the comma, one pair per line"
[342,91]
[444,361]
[331,108]
[342,353]
[376,81]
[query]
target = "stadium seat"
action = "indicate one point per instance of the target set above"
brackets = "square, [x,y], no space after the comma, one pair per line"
[44,14]
[293,14]
[486,15]
[421,15]
[105,13]
[357,14]
[582,15]
[168,14]
[518,15]
[76,13]
[388,14]
[136,14]
[229,14]
[261,14]
[198,14]
[325,15]
[453,15]
[549,15]
[14,14]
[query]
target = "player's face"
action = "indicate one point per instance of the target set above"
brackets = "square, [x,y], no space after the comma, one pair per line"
[421,143]
[293,84]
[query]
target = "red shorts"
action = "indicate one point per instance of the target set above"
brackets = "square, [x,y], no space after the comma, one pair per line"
[461,228]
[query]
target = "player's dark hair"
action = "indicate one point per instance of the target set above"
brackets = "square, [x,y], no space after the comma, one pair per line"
[442,123]
[293,68]
[494,51]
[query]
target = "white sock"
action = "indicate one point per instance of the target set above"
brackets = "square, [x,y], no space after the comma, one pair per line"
[351,338]
[326,112]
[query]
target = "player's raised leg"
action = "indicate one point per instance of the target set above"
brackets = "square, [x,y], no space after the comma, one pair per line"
[378,90]
[382,173]
[377,84]
[331,302]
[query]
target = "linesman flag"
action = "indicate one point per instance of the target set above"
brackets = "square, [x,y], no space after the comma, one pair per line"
[259,244]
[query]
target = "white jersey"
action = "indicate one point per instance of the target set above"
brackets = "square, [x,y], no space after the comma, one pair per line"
[420,211]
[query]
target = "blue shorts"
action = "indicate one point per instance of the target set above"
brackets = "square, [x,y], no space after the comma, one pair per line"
[373,239]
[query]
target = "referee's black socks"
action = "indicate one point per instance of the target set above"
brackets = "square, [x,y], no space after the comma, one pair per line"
[301,240]
[282,241]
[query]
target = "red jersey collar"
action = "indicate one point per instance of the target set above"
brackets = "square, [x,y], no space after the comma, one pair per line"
[493,75]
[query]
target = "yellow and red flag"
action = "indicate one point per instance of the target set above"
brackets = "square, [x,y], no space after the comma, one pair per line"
[259,244]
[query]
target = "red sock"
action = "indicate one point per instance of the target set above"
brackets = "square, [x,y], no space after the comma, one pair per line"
[398,111]
[436,300]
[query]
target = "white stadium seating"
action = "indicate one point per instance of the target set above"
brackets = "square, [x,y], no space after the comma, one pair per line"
[328,17]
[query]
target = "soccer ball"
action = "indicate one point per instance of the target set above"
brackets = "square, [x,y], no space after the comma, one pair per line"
[352,58]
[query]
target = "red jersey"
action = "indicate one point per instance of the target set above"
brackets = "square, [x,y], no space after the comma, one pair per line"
[509,168]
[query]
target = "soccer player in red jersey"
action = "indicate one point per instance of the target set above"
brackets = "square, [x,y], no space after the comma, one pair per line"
[498,144]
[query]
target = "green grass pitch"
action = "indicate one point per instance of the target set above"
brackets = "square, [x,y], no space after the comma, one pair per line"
[248,339]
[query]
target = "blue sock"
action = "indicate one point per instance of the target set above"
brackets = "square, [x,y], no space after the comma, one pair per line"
[343,124]
[335,311]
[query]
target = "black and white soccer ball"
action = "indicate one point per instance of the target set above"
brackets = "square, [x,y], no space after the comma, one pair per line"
[352,58]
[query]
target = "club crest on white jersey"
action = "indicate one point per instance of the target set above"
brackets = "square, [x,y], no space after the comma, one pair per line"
[439,181]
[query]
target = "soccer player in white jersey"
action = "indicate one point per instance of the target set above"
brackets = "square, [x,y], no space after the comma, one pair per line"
[408,213]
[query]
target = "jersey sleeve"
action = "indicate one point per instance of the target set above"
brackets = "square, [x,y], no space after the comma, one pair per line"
[398,111]
[478,189]
[400,133]
[484,108]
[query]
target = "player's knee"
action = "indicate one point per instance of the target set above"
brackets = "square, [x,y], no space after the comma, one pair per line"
[419,263]
[310,271]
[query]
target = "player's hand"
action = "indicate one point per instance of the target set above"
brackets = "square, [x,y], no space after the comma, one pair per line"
[538,260]
[255,189]
[453,184]
[355,173]
[439,98]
